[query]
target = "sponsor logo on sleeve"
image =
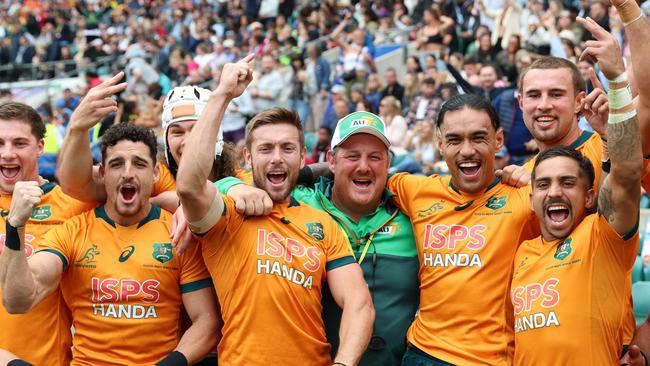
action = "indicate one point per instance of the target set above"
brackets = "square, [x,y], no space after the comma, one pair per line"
[88,260]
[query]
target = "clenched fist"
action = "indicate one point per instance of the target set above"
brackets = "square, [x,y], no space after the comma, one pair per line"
[25,197]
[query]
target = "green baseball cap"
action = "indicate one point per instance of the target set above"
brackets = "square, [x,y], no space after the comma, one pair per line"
[359,122]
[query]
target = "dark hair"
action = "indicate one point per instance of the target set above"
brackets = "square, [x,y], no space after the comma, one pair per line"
[551,63]
[471,101]
[20,112]
[497,69]
[225,165]
[274,116]
[429,81]
[131,132]
[586,168]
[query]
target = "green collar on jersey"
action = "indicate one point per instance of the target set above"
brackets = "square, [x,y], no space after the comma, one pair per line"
[494,183]
[154,213]
[584,136]
[48,187]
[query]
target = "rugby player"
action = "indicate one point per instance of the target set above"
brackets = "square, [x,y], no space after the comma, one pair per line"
[568,288]
[467,228]
[42,336]
[269,271]
[118,273]
[380,236]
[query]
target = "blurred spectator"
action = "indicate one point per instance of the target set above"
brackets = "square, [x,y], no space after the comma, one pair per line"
[413,65]
[266,92]
[393,87]
[68,101]
[356,60]
[433,35]
[506,59]
[299,83]
[489,75]
[239,111]
[515,133]
[319,153]
[331,117]
[411,88]
[319,73]
[426,105]
[373,92]
[390,109]
[421,148]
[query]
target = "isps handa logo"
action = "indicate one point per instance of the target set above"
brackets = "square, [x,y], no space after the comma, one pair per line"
[88,260]
[563,250]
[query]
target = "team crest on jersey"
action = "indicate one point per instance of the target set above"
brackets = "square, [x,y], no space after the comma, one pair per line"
[162,252]
[315,229]
[563,250]
[89,257]
[4,213]
[41,212]
[435,207]
[496,203]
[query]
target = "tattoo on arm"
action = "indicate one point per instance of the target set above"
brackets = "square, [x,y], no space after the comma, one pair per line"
[606,202]
[623,140]
[624,145]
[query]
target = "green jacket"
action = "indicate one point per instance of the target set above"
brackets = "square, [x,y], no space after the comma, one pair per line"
[390,267]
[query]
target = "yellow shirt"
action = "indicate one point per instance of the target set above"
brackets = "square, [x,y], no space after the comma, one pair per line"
[466,244]
[570,297]
[123,286]
[165,183]
[42,336]
[269,272]
[589,145]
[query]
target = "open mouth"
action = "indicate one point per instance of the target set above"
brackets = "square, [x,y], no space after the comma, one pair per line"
[10,171]
[276,178]
[558,212]
[545,121]
[362,182]
[469,168]
[128,193]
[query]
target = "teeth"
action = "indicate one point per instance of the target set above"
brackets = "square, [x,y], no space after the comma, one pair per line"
[557,207]
[468,165]
[545,119]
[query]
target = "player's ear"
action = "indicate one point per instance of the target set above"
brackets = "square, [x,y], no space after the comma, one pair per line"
[101,172]
[156,173]
[590,199]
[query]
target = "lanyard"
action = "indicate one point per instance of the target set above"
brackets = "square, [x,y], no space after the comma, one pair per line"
[365,250]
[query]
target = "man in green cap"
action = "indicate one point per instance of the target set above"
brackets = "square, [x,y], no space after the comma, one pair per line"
[379,234]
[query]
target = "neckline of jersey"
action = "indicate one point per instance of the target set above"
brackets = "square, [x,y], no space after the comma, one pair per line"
[154,213]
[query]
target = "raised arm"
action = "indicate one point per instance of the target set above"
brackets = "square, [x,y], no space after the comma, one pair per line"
[201,203]
[637,30]
[75,171]
[337,32]
[25,284]
[618,199]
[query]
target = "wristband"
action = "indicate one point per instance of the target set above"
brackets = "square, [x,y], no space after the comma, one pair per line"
[606,166]
[12,240]
[19,362]
[173,359]
[629,12]
[621,107]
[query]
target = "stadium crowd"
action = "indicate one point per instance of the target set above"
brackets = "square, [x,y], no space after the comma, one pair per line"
[219,180]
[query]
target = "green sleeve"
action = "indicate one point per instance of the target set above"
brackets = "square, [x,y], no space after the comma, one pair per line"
[223,185]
